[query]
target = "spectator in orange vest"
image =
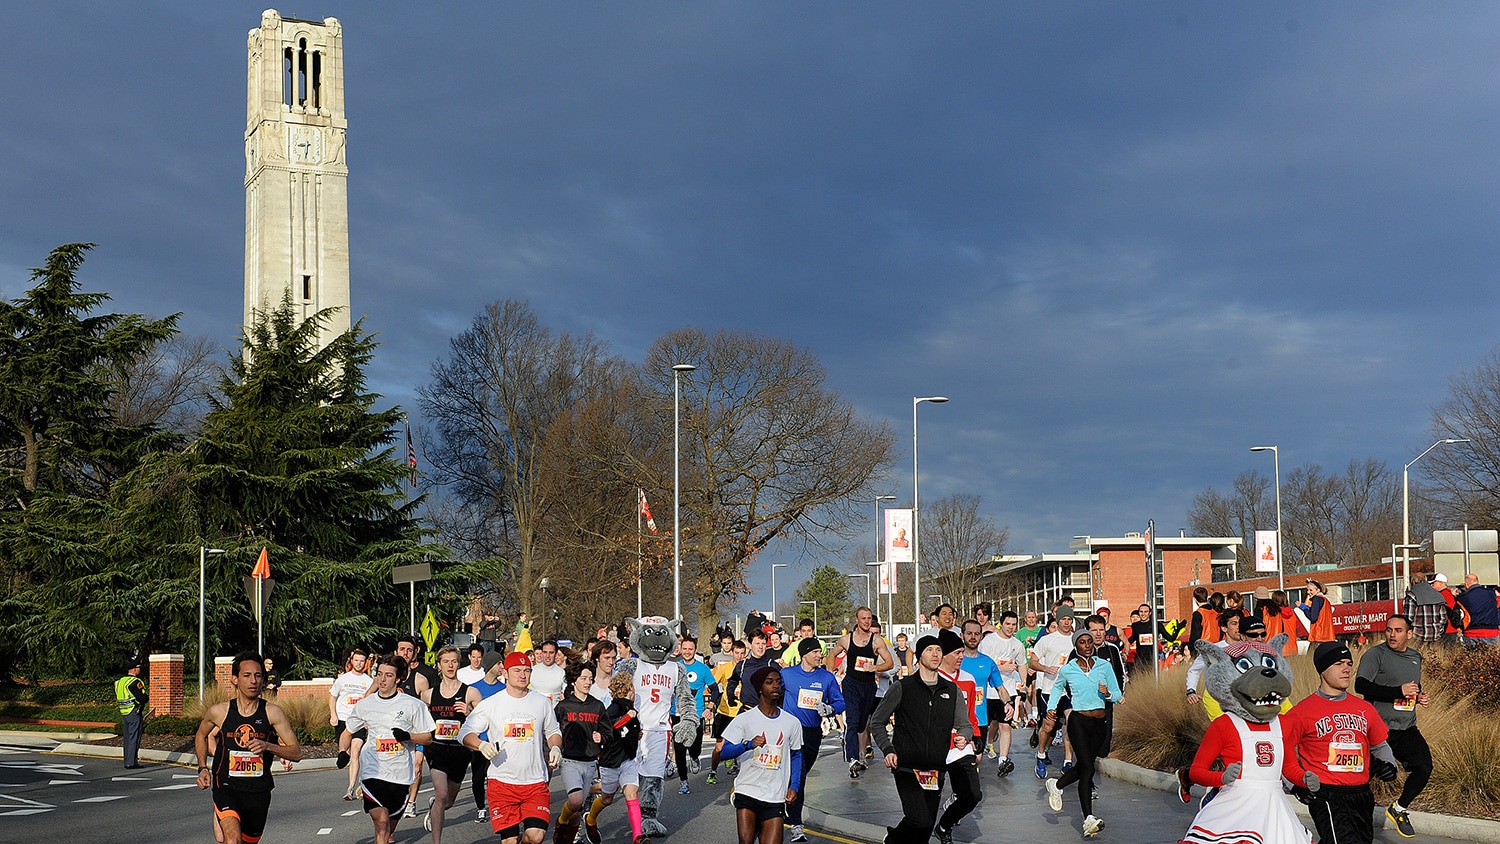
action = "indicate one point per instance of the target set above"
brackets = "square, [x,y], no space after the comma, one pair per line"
[1319,613]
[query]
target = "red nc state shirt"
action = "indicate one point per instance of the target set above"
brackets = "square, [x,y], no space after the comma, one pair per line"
[1333,738]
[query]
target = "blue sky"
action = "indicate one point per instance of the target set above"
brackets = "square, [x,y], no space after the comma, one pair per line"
[1129,241]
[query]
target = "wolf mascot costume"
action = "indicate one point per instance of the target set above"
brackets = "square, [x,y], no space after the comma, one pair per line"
[1250,680]
[658,684]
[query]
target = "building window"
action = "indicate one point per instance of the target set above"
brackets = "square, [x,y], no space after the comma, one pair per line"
[307,288]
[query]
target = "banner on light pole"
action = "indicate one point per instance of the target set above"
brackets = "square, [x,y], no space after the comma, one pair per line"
[1267,551]
[887,578]
[898,537]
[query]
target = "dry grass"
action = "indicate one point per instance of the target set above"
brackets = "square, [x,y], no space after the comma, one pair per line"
[306,713]
[1155,727]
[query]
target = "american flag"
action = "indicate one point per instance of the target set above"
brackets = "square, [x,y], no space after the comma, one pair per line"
[645,510]
[411,456]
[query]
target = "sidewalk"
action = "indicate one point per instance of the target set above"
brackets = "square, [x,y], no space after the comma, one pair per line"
[1138,807]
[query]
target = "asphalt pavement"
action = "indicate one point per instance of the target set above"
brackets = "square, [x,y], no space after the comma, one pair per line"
[47,796]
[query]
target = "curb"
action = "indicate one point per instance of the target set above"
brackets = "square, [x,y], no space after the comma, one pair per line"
[821,820]
[40,738]
[169,757]
[1445,826]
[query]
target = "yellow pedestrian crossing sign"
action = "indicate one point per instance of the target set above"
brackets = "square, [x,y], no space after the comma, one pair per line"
[430,629]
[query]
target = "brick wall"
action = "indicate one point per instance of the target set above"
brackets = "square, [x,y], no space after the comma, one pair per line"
[165,684]
[316,689]
[224,672]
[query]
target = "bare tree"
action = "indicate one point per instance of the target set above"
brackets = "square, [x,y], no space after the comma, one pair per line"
[1465,477]
[167,385]
[958,544]
[493,401]
[768,452]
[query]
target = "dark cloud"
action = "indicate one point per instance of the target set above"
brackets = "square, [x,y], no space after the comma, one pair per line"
[1129,242]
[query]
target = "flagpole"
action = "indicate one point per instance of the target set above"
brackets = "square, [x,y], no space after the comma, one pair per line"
[411,466]
[639,605]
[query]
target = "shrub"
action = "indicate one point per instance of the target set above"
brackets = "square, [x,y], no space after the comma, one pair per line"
[1466,672]
[171,725]
[321,734]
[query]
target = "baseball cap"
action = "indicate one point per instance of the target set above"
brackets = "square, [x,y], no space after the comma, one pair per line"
[1440,578]
[1252,626]
[517,659]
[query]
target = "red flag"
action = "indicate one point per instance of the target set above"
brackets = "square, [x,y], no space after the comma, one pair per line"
[411,457]
[262,566]
[646,511]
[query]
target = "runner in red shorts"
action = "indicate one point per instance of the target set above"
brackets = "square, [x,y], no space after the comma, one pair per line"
[525,742]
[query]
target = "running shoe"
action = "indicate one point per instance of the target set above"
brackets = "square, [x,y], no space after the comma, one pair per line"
[641,839]
[684,789]
[1401,821]
[1041,767]
[693,765]
[352,793]
[591,832]
[427,815]
[854,768]
[869,753]
[671,770]
[794,832]
[481,816]
[1054,795]
[944,836]
[1035,738]
[1006,766]
[989,750]
[712,778]
[1184,786]
[730,766]
[1067,765]
[1091,826]
[1057,740]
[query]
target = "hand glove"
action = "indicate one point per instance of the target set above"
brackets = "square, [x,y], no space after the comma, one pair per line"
[684,732]
[554,757]
[1383,770]
[1305,797]
[343,760]
[400,734]
[825,710]
[1310,780]
[489,749]
[1231,772]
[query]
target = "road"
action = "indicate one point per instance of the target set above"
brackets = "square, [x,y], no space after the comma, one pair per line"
[47,798]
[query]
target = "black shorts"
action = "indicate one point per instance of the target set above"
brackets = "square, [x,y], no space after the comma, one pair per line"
[763,811]
[995,707]
[340,727]
[384,794]
[249,806]
[720,722]
[452,759]
[1344,813]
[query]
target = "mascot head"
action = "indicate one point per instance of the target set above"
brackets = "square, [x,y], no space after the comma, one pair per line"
[1250,679]
[652,638]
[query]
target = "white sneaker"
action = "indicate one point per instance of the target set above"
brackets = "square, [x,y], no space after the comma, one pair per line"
[693,765]
[481,816]
[427,816]
[795,833]
[1091,826]
[1054,795]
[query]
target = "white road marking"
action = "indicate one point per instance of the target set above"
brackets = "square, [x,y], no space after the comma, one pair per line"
[184,776]
[24,812]
[67,782]
[22,801]
[175,787]
[350,812]
[105,799]
[129,779]
[327,830]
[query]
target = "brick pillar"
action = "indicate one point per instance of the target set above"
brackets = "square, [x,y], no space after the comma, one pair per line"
[224,672]
[165,684]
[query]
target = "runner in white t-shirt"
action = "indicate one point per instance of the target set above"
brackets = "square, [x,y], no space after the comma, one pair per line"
[396,723]
[547,676]
[768,743]
[525,741]
[474,671]
[1010,655]
[346,691]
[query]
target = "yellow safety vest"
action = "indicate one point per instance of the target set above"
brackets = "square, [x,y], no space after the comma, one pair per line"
[123,697]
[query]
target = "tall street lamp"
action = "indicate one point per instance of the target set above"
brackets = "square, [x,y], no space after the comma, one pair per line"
[544,585]
[203,552]
[878,499]
[916,514]
[1280,552]
[677,371]
[1406,512]
[774,607]
[866,576]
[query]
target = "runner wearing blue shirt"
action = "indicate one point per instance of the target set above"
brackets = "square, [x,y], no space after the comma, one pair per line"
[699,679]
[811,693]
[986,674]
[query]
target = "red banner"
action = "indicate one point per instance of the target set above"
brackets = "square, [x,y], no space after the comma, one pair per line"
[1361,617]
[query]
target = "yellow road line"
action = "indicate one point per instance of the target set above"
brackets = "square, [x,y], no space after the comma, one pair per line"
[830,837]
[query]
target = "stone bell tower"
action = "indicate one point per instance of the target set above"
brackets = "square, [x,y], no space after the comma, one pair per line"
[296,182]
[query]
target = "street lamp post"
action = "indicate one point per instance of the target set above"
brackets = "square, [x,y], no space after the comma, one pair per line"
[866,576]
[1394,579]
[203,552]
[1405,507]
[916,514]
[774,608]
[544,584]
[1280,552]
[892,597]
[677,371]
[815,614]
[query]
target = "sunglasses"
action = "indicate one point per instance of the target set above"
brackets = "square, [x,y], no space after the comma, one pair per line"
[1256,635]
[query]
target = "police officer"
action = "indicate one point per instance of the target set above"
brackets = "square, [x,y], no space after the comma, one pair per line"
[131,696]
